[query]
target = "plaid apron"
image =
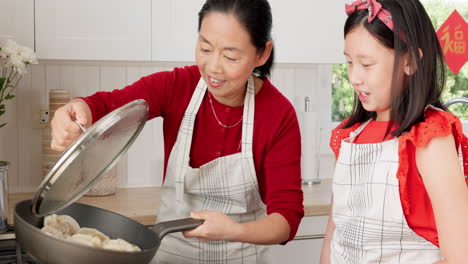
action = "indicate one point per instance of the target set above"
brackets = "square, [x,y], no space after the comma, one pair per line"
[227,184]
[367,211]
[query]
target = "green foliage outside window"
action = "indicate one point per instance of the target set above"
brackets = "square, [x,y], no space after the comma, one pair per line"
[456,85]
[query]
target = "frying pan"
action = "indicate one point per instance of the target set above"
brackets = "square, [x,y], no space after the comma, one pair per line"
[46,248]
[79,168]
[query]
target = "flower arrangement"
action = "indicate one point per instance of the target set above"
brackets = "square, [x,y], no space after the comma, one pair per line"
[14,60]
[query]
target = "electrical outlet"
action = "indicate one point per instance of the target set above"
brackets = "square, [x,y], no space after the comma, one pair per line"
[40,116]
[44,117]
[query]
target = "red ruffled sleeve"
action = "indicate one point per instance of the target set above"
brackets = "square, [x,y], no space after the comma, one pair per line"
[415,201]
[338,134]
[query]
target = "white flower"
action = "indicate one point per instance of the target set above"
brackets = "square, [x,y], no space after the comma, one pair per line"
[17,63]
[10,48]
[7,52]
[17,56]
[11,44]
[27,55]
[13,62]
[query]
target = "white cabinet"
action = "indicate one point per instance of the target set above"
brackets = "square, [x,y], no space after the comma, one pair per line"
[93,30]
[175,29]
[162,30]
[306,246]
[307,31]
[303,31]
[17,21]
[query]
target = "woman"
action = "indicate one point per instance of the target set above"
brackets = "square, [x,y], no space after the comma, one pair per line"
[232,141]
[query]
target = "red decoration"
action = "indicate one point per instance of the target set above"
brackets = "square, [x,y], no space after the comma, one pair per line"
[453,37]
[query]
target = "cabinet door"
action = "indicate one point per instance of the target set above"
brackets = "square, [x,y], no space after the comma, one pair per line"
[307,31]
[175,29]
[306,246]
[17,21]
[298,252]
[93,30]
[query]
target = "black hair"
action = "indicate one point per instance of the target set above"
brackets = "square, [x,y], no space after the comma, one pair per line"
[413,32]
[254,15]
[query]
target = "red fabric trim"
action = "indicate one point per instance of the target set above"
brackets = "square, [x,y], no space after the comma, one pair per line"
[436,124]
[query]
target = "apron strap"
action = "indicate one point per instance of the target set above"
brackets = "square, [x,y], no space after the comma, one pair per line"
[185,136]
[248,121]
[353,134]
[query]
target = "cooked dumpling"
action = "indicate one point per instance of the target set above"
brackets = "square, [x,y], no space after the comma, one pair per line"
[62,223]
[88,240]
[120,245]
[54,232]
[93,232]
[65,227]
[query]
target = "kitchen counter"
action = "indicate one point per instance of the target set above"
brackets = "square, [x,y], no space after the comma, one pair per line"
[141,204]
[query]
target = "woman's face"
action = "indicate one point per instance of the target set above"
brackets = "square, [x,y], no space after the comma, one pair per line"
[226,57]
[370,71]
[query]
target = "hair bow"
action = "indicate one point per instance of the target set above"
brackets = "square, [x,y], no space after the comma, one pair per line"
[375,10]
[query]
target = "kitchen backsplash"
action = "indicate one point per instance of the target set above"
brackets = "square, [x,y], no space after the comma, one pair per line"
[20,139]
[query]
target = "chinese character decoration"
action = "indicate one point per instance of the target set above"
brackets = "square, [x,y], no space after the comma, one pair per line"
[453,37]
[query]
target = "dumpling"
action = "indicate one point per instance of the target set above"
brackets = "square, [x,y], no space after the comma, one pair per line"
[93,232]
[65,227]
[54,232]
[120,245]
[88,240]
[62,223]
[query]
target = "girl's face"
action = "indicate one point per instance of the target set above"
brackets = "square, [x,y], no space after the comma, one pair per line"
[370,71]
[226,57]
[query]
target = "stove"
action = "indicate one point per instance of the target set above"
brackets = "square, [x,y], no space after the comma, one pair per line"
[10,251]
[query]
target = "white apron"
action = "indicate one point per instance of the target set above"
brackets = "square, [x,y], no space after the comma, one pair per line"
[227,184]
[367,211]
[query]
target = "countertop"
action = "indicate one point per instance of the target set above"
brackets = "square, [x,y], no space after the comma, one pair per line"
[141,204]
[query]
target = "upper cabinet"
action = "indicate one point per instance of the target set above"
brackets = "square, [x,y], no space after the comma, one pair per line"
[93,30]
[307,31]
[175,29]
[17,21]
[303,31]
[161,30]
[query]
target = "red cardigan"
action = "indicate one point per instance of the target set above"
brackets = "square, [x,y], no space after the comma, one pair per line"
[415,201]
[276,137]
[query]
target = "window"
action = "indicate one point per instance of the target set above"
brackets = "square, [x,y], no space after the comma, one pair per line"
[456,85]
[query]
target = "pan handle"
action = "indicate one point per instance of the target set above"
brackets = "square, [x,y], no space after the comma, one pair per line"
[164,228]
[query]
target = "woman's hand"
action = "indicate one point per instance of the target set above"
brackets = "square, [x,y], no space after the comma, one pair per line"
[268,230]
[64,129]
[217,226]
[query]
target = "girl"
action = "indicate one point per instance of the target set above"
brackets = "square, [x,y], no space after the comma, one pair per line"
[400,195]
[231,139]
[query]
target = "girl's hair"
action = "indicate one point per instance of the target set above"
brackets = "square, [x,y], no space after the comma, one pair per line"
[413,32]
[254,15]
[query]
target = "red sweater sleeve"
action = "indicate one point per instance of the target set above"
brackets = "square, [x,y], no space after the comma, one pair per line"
[282,179]
[153,89]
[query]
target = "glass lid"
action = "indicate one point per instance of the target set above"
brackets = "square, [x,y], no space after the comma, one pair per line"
[94,153]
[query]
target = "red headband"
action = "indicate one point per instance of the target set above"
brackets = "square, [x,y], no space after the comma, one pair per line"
[375,10]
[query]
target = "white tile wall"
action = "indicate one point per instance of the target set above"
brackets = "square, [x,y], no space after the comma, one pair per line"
[20,140]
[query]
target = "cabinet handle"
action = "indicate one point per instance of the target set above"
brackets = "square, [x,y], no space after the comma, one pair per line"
[309,237]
